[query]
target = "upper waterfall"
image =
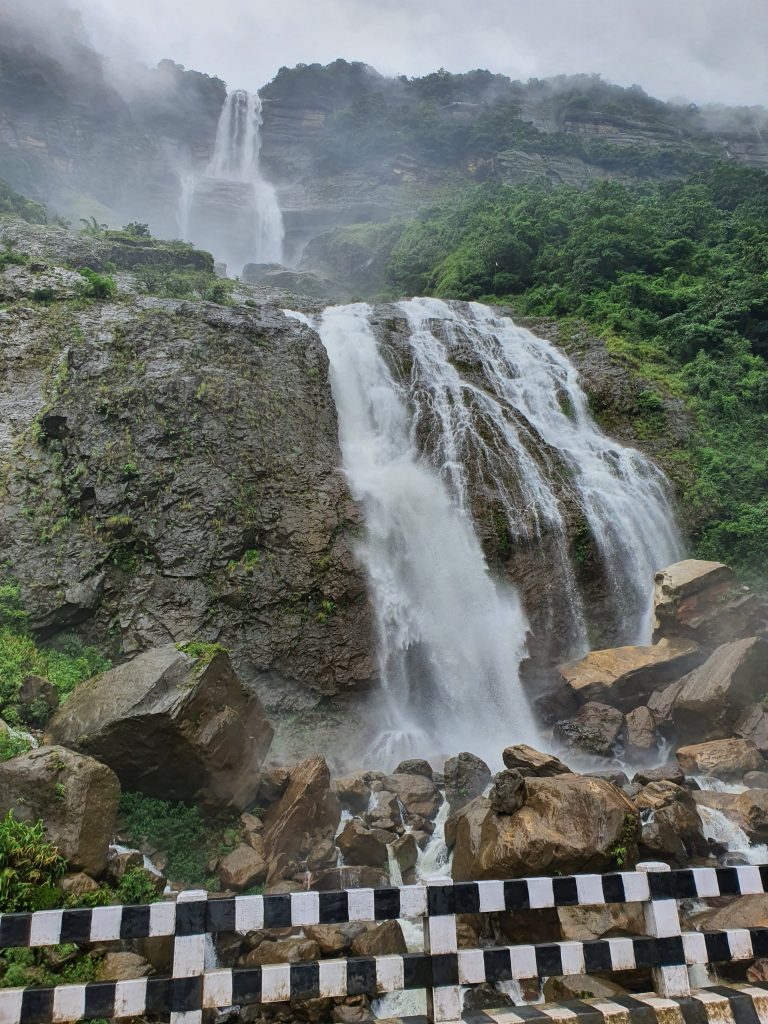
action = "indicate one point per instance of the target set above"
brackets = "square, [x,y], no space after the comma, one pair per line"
[231,208]
[480,406]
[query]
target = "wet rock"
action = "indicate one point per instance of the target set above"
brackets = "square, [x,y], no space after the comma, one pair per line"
[355,876]
[466,776]
[671,772]
[640,737]
[714,695]
[362,845]
[414,766]
[570,823]
[581,986]
[725,759]
[758,971]
[616,777]
[352,1014]
[418,794]
[383,940]
[282,951]
[748,810]
[593,730]
[532,763]
[37,700]
[704,602]
[335,939]
[625,676]
[120,863]
[307,813]
[752,725]
[671,827]
[273,782]
[660,704]
[756,780]
[75,796]
[242,868]
[122,966]
[406,852]
[354,791]
[323,856]
[508,791]
[172,726]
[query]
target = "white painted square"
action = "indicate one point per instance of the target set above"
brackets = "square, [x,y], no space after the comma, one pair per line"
[360,903]
[217,990]
[491,896]
[706,882]
[413,901]
[68,1002]
[471,966]
[622,954]
[10,1005]
[572,956]
[636,889]
[589,889]
[46,928]
[162,918]
[613,1012]
[695,948]
[540,892]
[105,923]
[749,879]
[559,1012]
[305,908]
[663,919]
[523,962]
[333,978]
[249,913]
[131,997]
[442,934]
[390,974]
[741,943]
[275,983]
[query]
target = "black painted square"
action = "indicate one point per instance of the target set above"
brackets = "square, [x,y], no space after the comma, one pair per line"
[334,907]
[76,926]
[566,893]
[305,981]
[467,898]
[246,986]
[134,923]
[277,911]
[386,904]
[548,960]
[220,916]
[361,976]
[445,969]
[516,896]
[498,965]
[597,956]
[99,1000]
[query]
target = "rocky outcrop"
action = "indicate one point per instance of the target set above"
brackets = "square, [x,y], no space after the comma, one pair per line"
[704,602]
[172,726]
[570,823]
[670,824]
[532,763]
[625,676]
[466,776]
[594,730]
[714,695]
[362,845]
[725,759]
[641,738]
[74,796]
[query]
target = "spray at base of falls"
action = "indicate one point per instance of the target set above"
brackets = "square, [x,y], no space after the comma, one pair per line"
[231,208]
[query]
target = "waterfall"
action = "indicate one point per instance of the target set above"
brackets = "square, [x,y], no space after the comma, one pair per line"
[455,402]
[230,208]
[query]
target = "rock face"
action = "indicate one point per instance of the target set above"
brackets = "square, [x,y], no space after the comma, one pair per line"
[74,796]
[466,776]
[594,729]
[704,602]
[625,676]
[641,738]
[361,845]
[725,759]
[306,814]
[671,828]
[714,695]
[571,823]
[171,726]
[530,762]
[170,417]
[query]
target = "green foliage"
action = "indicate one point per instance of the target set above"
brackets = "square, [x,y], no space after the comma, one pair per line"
[97,286]
[30,866]
[11,258]
[11,745]
[47,967]
[203,651]
[673,274]
[178,830]
[137,230]
[92,227]
[136,886]
[12,613]
[185,283]
[12,202]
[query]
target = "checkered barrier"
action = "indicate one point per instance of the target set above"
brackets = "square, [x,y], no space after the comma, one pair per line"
[441,970]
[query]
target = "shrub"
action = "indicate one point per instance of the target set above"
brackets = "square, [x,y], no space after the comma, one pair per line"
[12,744]
[178,830]
[97,286]
[30,866]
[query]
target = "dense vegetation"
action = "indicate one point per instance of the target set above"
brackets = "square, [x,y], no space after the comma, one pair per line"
[19,206]
[674,274]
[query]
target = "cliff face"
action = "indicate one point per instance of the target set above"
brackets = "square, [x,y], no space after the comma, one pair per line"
[170,472]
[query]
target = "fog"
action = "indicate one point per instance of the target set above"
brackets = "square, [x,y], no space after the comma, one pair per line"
[703,50]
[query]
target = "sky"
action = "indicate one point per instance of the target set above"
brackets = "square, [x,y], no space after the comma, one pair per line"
[705,51]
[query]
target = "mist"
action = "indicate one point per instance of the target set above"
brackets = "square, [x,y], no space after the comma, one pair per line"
[702,50]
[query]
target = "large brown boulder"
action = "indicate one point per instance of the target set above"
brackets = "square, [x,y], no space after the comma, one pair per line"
[307,813]
[74,796]
[752,725]
[532,763]
[713,696]
[671,827]
[625,676]
[641,738]
[568,824]
[243,867]
[385,939]
[418,794]
[172,726]
[704,602]
[594,729]
[466,776]
[725,759]
[362,845]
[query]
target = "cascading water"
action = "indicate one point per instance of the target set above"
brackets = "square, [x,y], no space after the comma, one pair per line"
[231,209]
[485,406]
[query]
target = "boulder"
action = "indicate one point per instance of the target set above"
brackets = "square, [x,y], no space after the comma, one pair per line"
[752,725]
[725,759]
[118,965]
[508,791]
[282,951]
[307,812]
[661,702]
[571,823]
[625,676]
[581,986]
[670,824]
[748,810]
[354,790]
[37,699]
[414,766]
[756,780]
[466,776]
[671,772]
[714,695]
[583,924]
[171,726]
[356,876]
[362,845]
[640,736]
[615,776]
[75,797]
[242,868]
[356,1014]
[405,852]
[385,939]
[323,855]
[119,863]
[704,602]
[530,762]
[593,730]
[334,939]
[78,884]
[418,794]
[469,817]
[743,912]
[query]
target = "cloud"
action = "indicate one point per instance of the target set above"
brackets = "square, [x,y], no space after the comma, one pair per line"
[704,50]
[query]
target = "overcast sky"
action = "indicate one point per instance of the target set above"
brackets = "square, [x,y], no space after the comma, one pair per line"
[704,50]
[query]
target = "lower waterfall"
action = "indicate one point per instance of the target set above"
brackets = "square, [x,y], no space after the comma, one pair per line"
[484,400]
